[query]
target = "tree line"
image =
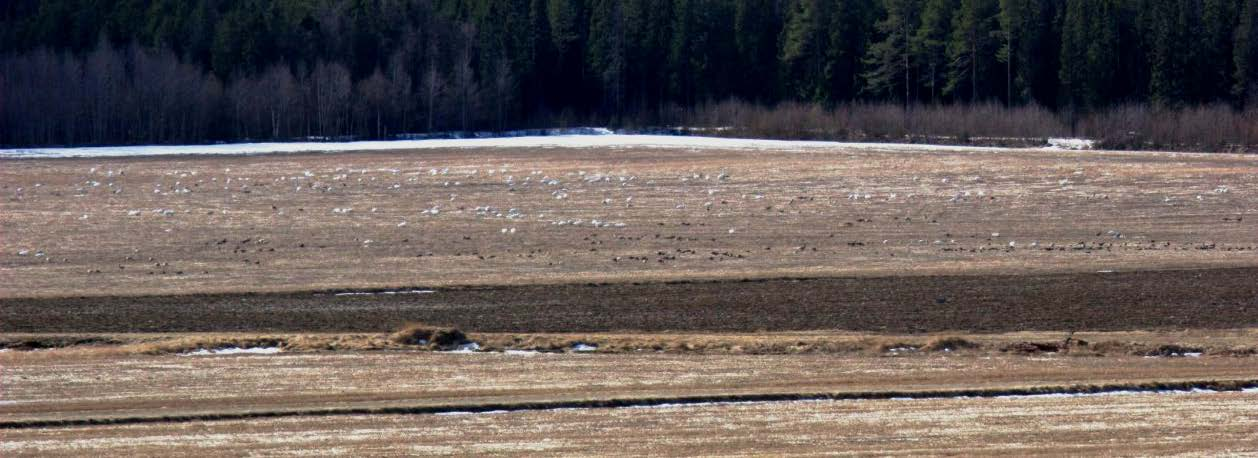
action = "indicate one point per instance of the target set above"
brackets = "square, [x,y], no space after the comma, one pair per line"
[129,71]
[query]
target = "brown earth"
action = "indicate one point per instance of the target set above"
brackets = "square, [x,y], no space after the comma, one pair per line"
[1212,299]
[156,226]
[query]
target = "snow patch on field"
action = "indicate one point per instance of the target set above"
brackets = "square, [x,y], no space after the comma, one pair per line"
[548,141]
[1071,143]
[469,347]
[458,413]
[522,352]
[386,293]
[234,351]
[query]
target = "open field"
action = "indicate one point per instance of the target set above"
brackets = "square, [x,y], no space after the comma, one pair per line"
[503,216]
[695,274]
[102,388]
[1197,424]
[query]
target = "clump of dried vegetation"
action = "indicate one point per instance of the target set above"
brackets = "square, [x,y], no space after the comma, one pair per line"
[427,335]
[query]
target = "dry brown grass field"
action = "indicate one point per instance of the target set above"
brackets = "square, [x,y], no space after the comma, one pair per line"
[693,274]
[1197,424]
[95,386]
[96,227]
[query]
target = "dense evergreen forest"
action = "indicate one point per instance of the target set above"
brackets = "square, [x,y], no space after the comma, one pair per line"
[127,71]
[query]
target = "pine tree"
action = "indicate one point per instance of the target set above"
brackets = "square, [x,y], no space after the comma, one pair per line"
[890,60]
[1089,52]
[1219,21]
[930,42]
[803,57]
[1172,27]
[1245,55]
[972,48]
[606,52]
[756,29]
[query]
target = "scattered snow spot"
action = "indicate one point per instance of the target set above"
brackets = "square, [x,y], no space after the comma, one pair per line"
[487,412]
[1070,143]
[584,347]
[385,293]
[234,351]
[468,347]
[522,352]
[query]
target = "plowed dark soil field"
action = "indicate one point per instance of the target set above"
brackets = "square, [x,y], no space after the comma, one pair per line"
[1216,298]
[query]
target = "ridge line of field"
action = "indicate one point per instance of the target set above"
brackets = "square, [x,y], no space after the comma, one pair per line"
[1142,387]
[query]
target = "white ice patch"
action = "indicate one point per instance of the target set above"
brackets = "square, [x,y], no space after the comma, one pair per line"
[583,347]
[1071,143]
[458,413]
[522,352]
[234,351]
[386,293]
[555,141]
[1187,354]
[470,347]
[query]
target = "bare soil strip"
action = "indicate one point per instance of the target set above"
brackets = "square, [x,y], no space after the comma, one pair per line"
[1207,299]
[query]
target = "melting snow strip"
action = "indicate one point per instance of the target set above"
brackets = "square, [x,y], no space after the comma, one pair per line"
[463,412]
[387,293]
[234,351]
[551,141]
